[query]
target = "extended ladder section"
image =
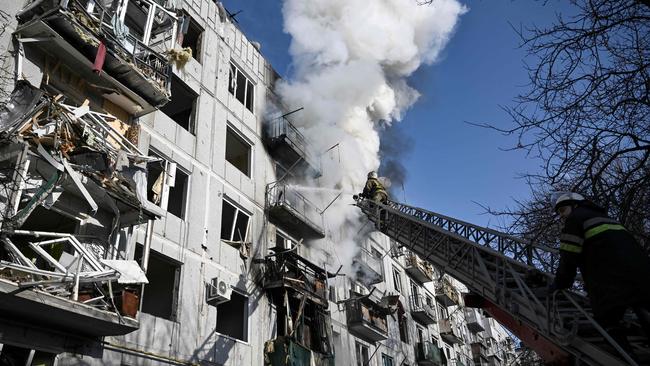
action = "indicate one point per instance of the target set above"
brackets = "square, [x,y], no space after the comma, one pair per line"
[508,277]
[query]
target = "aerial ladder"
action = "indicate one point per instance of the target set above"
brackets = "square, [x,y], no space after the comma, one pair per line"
[508,277]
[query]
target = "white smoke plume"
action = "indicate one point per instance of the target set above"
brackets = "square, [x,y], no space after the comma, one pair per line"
[351,60]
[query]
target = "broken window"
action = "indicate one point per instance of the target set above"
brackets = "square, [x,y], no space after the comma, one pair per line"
[397,280]
[161,293]
[178,195]
[238,151]
[442,311]
[182,105]
[167,185]
[362,354]
[241,87]
[234,223]
[232,317]
[191,36]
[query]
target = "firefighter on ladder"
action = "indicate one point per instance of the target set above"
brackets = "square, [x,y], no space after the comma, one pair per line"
[615,268]
[374,190]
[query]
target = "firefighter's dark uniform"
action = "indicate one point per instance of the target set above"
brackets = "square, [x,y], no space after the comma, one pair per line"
[614,267]
[375,191]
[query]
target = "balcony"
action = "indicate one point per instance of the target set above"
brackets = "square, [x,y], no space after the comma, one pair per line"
[449,332]
[446,294]
[479,351]
[474,320]
[284,351]
[368,267]
[67,35]
[287,145]
[367,319]
[428,354]
[290,270]
[421,311]
[418,269]
[293,211]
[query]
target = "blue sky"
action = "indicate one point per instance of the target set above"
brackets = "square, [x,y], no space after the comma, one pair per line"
[451,164]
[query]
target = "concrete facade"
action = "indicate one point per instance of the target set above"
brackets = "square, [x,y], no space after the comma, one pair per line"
[191,245]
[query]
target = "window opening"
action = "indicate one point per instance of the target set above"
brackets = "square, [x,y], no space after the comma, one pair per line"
[176,201]
[232,317]
[386,360]
[238,151]
[234,223]
[161,293]
[397,280]
[362,354]
[192,36]
[182,105]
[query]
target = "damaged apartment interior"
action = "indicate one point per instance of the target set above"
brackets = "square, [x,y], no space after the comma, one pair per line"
[150,214]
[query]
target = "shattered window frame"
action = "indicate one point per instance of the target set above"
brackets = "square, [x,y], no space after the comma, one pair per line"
[170,171]
[237,214]
[155,256]
[362,353]
[286,238]
[244,94]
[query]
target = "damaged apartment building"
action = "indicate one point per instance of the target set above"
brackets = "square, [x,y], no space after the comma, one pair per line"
[147,217]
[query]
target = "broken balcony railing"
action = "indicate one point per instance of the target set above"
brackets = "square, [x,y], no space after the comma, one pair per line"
[288,145]
[290,270]
[449,331]
[419,269]
[421,311]
[446,293]
[134,34]
[293,211]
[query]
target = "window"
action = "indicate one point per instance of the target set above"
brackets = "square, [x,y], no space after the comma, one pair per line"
[283,241]
[442,311]
[421,334]
[241,87]
[386,360]
[232,317]
[429,300]
[238,151]
[182,105]
[397,280]
[362,354]
[191,36]
[161,293]
[167,185]
[178,195]
[234,223]
[415,293]
[403,328]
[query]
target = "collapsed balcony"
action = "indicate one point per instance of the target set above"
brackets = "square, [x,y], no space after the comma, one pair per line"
[446,294]
[449,331]
[366,318]
[117,49]
[428,354]
[368,268]
[420,270]
[421,311]
[293,212]
[291,271]
[287,145]
[64,171]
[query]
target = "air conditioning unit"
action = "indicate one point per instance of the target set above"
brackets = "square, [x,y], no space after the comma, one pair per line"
[219,291]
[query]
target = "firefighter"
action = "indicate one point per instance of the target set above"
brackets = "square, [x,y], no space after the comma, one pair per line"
[614,267]
[374,190]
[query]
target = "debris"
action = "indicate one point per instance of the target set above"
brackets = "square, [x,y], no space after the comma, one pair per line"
[179,56]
